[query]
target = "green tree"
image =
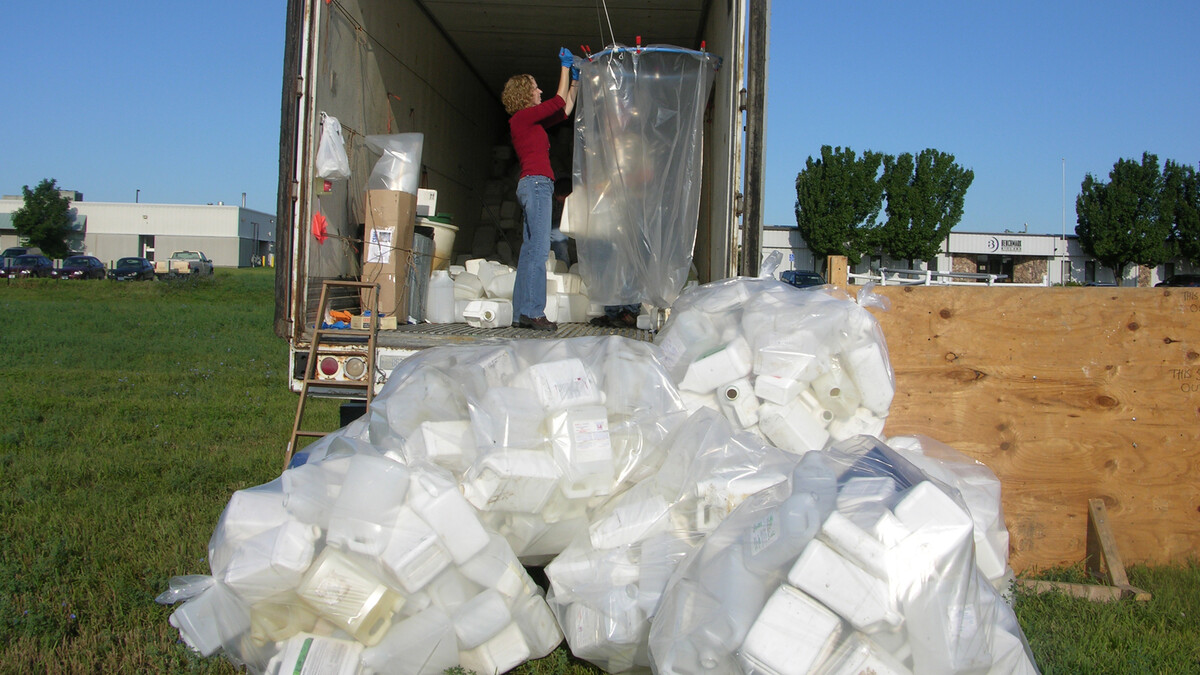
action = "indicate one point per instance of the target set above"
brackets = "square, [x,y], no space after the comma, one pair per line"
[925,197]
[45,220]
[1129,219]
[1183,184]
[838,198]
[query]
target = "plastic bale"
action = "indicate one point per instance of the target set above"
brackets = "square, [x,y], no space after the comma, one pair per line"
[605,587]
[901,594]
[801,368]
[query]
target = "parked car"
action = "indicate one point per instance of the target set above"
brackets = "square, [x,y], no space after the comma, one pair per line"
[802,278]
[132,269]
[28,265]
[1192,280]
[14,251]
[184,263]
[80,267]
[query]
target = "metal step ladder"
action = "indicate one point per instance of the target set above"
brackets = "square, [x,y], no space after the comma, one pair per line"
[349,342]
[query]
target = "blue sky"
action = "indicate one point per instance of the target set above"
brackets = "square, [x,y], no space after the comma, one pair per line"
[181,100]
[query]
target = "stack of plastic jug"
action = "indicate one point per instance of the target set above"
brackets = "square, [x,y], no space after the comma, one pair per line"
[357,555]
[807,580]
[606,586]
[802,368]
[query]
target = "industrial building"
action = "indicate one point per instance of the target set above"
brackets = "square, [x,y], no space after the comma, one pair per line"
[1046,259]
[231,236]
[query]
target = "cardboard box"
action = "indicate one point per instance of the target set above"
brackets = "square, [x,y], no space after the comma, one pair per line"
[364,323]
[387,248]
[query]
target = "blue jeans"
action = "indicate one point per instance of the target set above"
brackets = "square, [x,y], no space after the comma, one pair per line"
[536,195]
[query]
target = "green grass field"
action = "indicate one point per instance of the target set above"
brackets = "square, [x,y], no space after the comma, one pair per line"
[130,412]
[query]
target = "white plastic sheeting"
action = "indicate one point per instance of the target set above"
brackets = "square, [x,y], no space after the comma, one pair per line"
[637,167]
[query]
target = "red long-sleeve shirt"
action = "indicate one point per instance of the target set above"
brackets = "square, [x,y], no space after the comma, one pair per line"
[528,127]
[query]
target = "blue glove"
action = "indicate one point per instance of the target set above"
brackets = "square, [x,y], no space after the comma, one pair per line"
[574,73]
[566,58]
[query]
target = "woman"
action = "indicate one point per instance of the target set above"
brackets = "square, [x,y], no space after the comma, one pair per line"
[535,191]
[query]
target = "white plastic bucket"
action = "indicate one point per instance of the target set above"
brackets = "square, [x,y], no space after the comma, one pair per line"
[443,241]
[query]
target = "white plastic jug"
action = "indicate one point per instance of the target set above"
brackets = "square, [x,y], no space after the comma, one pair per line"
[439,302]
[497,313]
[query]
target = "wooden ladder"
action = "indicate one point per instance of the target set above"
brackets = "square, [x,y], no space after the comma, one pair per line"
[346,340]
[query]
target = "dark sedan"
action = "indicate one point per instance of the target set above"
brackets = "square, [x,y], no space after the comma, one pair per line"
[802,278]
[25,266]
[132,269]
[1185,280]
[80,267]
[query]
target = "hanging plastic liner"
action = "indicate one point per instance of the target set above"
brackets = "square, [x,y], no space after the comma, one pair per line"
[637,170]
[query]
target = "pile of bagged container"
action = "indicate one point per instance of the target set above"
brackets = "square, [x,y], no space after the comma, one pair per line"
[720,501]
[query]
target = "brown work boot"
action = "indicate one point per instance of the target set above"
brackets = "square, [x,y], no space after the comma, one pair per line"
[539,323]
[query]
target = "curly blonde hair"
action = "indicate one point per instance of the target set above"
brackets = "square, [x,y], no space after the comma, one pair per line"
[518,93]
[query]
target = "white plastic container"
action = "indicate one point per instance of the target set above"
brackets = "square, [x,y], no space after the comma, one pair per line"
[511,480]
[836,392]
[439,302]
[467,286]
[793,634]
[346,594]
[792,427]
[564,384]
[633,520]
[279,619]
[440,504]
[495,313]
[481,618]
[502,653]
[414,555]
[308,654]
[855,544]
[567,307]
[868,367]
[422,644]
[726,364]
[214,618]
[498,567]
[372,494]
[583,448]
[448,443]
[775,389]
[847,589]
[862,422]
[273,561]
[538,625]
[858,655]
[564,282]
[501,285]
[738,402]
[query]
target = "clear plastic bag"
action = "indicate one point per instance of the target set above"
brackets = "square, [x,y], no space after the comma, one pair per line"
[332,163]
[864,563]
[803,368]
[606,586]
[538,432]
[399,164]
[377,565]
[638,147]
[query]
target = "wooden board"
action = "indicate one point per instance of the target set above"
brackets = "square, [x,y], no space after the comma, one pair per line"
[1066,394]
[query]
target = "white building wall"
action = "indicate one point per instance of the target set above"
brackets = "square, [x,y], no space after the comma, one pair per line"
[229,235]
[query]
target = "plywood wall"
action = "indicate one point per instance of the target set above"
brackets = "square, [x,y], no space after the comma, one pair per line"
[1067,394]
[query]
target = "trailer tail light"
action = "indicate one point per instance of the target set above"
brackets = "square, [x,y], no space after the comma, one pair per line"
[355,367]
[329,366]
